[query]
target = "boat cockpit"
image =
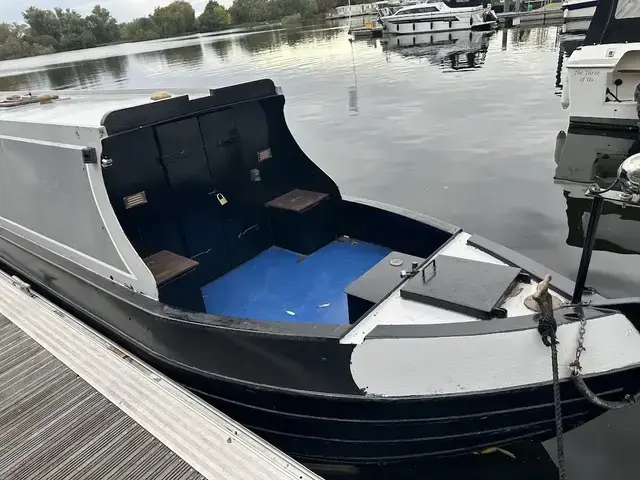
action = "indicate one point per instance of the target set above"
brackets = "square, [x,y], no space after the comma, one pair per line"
[233,219]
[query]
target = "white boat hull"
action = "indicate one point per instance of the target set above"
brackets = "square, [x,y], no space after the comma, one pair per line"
[593,71]
[576,26]
[578,15]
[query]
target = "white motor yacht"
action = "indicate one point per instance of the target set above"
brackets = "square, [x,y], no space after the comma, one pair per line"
[439,17]
[602,86]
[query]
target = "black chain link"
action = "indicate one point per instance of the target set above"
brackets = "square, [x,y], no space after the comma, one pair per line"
[557,403]
[575,365]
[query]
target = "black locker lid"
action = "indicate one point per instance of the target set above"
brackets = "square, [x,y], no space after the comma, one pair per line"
[464,286]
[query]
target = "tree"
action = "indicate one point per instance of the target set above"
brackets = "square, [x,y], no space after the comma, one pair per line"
[42,22]
[75,30]
[214,17]
[177,18]
[14,43]
[326,5]
[250,11]
[104,27]
[140,29]
[5,32]
[48,31]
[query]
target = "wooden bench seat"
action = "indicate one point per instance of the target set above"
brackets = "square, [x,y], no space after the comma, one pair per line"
[166,266]
[302,221]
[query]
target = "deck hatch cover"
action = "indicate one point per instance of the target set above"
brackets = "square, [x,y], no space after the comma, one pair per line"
[464,286]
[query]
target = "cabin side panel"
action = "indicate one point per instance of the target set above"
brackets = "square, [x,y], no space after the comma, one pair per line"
[48,200]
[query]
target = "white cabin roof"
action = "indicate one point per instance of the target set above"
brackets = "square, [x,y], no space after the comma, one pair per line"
[601,56]
[81,108]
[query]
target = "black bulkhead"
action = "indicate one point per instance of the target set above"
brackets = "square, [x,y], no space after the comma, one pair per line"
[196,166]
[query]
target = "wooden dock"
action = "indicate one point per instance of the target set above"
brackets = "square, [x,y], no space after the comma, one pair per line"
[74,405]
[534,17]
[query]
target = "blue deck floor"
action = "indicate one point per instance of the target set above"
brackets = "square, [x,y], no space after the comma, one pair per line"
[278,281]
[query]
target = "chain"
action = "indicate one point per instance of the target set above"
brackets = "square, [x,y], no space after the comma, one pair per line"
[576,367]
[578,381]
[557,404]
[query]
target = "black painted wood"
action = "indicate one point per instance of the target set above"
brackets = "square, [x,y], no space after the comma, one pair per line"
[559,283]
[377,283]
[292,383]
[495,325]
[464,286]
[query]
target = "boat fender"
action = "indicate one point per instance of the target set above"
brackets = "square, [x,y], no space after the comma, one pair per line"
[45,98]
[564,99]
[160,96]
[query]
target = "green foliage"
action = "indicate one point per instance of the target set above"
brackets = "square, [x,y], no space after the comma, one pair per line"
[214,17]
[326,5]
[75,30]
[251,11]
[43,22]
[5,32]
[177,18]
[49,31]
[140,29]
[104,27]
[14,47]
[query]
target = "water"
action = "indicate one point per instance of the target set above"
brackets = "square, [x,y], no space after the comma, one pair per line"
[466,136]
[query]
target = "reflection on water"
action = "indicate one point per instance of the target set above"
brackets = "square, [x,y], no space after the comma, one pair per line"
[190,57]
[84,74]
[222,48]
[452,51]
[566,48]
[584,157]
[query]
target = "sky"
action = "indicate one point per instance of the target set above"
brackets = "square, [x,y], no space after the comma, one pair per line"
[122,10]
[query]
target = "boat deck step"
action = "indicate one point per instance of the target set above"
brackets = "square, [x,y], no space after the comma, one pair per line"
[74,405]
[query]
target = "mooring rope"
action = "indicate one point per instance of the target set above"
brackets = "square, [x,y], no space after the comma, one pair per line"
[547,327]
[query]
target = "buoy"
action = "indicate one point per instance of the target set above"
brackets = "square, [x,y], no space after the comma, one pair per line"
[45,98]
[160,96]
[564,99]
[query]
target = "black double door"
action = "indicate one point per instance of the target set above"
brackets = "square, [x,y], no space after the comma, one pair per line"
[218,207]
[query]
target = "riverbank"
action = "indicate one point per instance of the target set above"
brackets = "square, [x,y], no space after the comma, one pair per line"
[47,31]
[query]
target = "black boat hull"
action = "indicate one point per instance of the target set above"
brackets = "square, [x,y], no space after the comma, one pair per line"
[296,390]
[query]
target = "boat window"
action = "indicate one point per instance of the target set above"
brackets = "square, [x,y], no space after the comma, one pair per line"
[414,11]
[628,9]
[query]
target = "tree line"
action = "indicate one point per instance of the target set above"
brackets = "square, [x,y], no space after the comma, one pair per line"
[49,31]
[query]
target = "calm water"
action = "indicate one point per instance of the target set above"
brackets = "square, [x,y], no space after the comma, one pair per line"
[463,132]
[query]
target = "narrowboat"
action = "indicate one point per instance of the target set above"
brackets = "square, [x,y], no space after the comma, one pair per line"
[191,228]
